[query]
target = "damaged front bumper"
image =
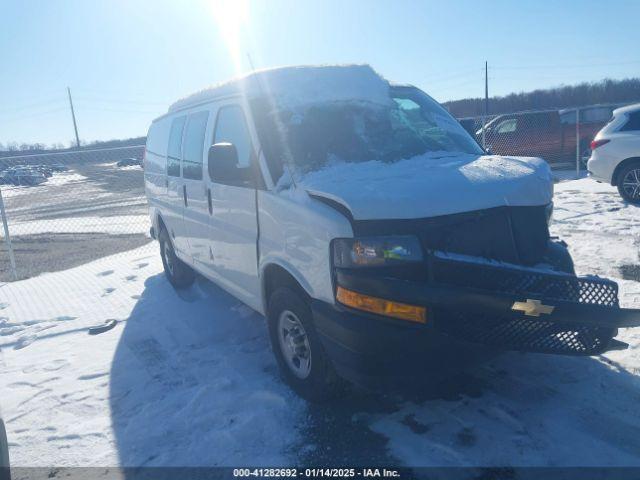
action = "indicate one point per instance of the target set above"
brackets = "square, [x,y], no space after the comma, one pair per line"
[473,306]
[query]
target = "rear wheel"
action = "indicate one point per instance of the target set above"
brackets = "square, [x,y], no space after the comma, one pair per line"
[629,183]
[179,273]
[297,348]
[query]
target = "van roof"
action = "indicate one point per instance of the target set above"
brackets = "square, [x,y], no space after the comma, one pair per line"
[299,85]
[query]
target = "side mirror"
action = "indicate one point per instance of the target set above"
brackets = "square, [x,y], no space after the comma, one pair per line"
[223,165]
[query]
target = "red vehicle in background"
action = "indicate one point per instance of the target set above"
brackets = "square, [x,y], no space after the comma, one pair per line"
[550,134]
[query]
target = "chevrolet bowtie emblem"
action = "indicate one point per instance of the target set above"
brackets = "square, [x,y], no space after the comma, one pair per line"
[532,308]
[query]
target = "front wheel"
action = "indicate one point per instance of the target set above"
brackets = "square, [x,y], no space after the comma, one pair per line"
[629,183]
[179,273]
[297,348]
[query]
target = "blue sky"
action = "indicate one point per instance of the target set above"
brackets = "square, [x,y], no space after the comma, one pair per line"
[126,60]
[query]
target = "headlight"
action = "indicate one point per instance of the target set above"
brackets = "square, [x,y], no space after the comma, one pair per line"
[376,251]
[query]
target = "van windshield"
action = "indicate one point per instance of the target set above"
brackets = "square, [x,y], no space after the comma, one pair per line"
[412,124]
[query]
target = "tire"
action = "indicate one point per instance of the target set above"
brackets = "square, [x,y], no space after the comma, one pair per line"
[303,362]
[629,183]
[180,274]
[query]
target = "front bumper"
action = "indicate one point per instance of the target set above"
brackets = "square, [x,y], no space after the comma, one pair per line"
[470,310]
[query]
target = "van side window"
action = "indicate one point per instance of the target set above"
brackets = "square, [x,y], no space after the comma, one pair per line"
[194,145]
[272,138]
[231,127]
[175,147]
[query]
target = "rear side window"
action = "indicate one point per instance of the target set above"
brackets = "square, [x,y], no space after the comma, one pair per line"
[231,127]
[156,148]
[157,137]
[175,146]
[194,145]
[633,124]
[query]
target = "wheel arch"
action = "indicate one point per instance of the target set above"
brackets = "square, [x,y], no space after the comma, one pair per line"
[158,223]
[274,275]
[620,166]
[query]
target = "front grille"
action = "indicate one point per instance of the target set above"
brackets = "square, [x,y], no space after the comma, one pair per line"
[525,334]
[528,283]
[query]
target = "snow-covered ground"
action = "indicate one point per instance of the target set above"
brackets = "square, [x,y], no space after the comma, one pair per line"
[188,378]
[113,225]
[181,380]
[68,179]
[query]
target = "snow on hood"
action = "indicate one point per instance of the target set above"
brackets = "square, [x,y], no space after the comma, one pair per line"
[432,184]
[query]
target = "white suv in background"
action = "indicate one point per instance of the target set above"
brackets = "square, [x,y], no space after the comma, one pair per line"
[615,156]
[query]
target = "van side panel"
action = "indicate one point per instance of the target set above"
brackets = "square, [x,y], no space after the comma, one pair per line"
[296,234]
[155,167]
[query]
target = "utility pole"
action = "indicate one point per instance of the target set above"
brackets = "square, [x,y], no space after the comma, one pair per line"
[486,104]
[486,89]
[73,116]
[7,238]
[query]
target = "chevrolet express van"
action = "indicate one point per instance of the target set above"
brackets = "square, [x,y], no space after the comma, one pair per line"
[371,230]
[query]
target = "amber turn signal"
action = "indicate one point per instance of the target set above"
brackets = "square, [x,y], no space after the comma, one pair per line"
[412,313]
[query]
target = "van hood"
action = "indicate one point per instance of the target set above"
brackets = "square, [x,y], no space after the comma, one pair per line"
[431,185]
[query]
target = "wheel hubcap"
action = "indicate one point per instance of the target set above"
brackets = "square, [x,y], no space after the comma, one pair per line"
[631,184]
[294,344]
[168,258]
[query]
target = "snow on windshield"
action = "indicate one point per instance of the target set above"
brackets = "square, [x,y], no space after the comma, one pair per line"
[411,124]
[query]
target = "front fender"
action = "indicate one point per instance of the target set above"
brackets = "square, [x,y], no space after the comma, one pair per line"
[272,259]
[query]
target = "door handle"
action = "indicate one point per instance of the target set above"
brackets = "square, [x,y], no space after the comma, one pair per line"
[184,195]
[209,201]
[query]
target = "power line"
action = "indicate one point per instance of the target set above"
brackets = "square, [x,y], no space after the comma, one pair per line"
[560,65]
[461,74]
[37,115]
[134,95]
[32,105]
[118,101]
[454,85]
[119,110]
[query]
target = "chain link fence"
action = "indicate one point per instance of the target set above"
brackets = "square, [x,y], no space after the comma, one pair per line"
[61,210]
[65,209]
[562,137]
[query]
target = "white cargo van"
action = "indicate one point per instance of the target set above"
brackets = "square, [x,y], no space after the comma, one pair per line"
[370,229]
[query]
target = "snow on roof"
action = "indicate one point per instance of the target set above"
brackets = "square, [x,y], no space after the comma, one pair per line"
[292,87]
